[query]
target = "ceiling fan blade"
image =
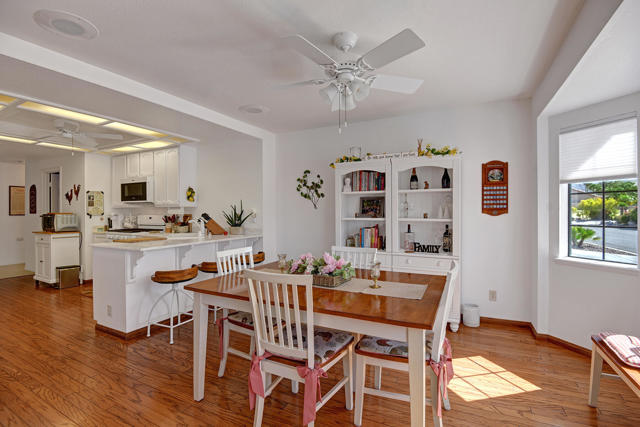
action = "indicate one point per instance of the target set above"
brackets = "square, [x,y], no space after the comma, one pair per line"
[398,84]
[82,139]
[403,43]
[312,82]
[308,49]
[113,136]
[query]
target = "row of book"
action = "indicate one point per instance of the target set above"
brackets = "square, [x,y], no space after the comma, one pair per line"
[367,181]
[369,237]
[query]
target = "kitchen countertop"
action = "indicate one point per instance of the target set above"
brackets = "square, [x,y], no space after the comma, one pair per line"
[54,232]
[172,243]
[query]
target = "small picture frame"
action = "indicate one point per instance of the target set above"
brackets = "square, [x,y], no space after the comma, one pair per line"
[16,200]
[371,207]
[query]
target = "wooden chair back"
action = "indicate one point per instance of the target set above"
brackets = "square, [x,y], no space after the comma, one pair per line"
[233,260]
[358,257]
[444,308]
[275,296]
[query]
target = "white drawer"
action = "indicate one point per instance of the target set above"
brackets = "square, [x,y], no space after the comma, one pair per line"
[384,259]
[43,238]
[401,262]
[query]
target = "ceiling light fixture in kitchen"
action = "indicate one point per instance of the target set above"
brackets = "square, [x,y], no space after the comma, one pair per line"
[63,147]
[14,139]
[65,24]
[152,144]
[5,99]
[61,112]
[135,130]
[125,149]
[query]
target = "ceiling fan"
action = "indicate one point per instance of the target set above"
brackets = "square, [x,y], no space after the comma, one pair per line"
[351,80]
[71,130]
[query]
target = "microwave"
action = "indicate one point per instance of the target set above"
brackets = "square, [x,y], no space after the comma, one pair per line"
[136,190]
[55,222]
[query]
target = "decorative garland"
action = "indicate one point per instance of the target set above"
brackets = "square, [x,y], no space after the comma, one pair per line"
[428,151]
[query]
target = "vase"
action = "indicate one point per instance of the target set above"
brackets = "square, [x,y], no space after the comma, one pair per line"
[236,230]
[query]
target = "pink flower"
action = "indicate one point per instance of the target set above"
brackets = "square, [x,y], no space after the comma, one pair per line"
[294,266]
[306,257]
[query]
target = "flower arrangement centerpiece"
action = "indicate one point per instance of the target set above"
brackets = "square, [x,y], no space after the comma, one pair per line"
[327,271]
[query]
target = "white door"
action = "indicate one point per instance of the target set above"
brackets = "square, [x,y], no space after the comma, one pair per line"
[173,176]
[118,171]
[160,177]
[146,163]
[133,165]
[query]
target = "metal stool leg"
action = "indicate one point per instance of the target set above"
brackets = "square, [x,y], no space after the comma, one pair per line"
[173,295]
[153,308]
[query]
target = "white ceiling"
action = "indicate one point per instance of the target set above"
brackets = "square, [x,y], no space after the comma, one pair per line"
[228,53]
[611,66]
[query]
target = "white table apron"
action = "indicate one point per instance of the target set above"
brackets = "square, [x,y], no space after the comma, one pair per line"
[415,339]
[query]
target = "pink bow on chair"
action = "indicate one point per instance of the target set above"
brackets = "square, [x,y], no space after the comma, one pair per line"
[444,371]
[312,392]
[256,386]
[220,324]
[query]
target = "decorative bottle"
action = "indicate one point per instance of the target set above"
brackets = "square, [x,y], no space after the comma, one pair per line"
[446,181]
[413,182]
[447,239]
[409,239]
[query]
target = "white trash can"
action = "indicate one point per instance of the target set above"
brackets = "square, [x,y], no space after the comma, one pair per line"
[471,315]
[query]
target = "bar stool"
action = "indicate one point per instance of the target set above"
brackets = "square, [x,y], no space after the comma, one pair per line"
[174,278]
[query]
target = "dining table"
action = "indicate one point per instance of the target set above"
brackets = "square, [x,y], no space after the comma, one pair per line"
[387,317]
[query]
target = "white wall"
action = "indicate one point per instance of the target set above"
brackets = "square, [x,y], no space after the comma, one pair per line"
[586,300]
[71,172]
[97,177]
[497,252]
[11,242]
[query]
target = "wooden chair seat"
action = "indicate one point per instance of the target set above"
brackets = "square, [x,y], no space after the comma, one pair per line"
[175,276]
[600,353]
[212,267]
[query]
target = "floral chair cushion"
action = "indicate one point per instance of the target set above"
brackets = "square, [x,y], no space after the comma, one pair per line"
[243,319]
[375,345]
[326,342]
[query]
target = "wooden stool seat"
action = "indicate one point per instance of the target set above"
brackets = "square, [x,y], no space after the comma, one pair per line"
[601,352]
[212,267]
[175,276]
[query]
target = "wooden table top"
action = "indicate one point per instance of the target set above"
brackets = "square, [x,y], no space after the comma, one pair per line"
[411,313]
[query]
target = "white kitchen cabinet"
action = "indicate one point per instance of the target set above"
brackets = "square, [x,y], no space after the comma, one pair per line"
[146,163]
[133,165]
[160,177]
[118,172]
[174,172]
[55,250]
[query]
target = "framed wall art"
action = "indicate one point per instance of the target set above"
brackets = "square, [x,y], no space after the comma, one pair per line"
[16,200]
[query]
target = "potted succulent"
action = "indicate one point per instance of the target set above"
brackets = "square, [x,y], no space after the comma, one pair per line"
[235,219]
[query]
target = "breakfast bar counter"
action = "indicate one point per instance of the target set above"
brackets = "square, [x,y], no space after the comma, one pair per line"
[123,292]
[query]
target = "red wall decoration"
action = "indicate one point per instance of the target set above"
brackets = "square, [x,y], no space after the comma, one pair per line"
[32,199]
[495,188]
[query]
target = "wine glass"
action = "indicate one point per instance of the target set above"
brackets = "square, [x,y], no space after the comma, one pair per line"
[375,275]
[282,262]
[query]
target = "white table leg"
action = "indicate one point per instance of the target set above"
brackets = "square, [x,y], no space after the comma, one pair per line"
[417,389]
[200,324]
[596,373]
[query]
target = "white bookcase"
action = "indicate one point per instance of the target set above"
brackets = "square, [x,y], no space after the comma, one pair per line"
[428,231]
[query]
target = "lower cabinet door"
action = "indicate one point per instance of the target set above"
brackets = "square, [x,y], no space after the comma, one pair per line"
[43,261]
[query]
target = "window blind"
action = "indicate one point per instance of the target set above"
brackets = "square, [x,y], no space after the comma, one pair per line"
[599,153]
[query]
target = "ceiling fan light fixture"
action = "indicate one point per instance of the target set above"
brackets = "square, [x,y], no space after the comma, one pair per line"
[329,93]
[360,90]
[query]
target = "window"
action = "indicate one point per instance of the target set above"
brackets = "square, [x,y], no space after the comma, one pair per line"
[598,166]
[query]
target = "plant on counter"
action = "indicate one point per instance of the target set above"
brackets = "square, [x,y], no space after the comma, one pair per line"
[310,190]
[235,218]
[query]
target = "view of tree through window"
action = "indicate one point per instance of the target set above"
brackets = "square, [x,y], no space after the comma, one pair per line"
[603,220]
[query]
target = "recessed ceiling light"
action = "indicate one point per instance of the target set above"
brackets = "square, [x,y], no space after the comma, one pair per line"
[14,139]
[64,147]
[152,144]
[65,24]
[134,129]
[60,112]
[124,149]
[5,99]
[177,139]
[253,109]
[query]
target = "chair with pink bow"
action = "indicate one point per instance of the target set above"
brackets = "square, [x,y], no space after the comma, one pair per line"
[283,348]
[385,353]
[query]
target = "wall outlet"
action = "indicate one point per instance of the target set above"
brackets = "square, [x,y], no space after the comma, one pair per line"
[493,295]
[109,310]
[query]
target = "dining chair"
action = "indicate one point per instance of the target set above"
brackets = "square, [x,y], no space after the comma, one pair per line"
[231,261]
[393,354]
[358,257]
[284,347]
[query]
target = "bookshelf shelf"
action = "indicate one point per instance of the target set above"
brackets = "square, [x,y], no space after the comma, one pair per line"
[429,190]
[364,193]
[425,219]
[364,219]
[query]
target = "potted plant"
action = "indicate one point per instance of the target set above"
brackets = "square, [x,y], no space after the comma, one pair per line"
[235,219]
[327,271]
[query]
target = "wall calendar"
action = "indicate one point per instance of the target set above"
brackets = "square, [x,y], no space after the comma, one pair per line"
[495,188]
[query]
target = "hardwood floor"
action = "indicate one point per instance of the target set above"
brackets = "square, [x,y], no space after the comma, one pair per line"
[56,369]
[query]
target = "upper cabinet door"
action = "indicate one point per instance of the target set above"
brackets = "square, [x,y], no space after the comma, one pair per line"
[133,165]
[118,171]
[160,176]
[146,163]
[173,176]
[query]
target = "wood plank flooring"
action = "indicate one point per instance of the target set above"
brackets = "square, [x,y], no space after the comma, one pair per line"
[55,369]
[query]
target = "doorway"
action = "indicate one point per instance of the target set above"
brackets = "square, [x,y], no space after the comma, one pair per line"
[53,192]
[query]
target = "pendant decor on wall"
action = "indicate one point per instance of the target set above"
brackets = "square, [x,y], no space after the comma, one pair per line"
[76,190]
[495,188]
[32,199]
[69,196]
[310,190]
[95,203]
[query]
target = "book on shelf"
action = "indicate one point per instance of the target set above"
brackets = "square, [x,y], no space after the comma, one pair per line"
[367,181]
[369,237]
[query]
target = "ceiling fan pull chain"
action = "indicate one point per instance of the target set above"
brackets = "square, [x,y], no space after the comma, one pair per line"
[345,109]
